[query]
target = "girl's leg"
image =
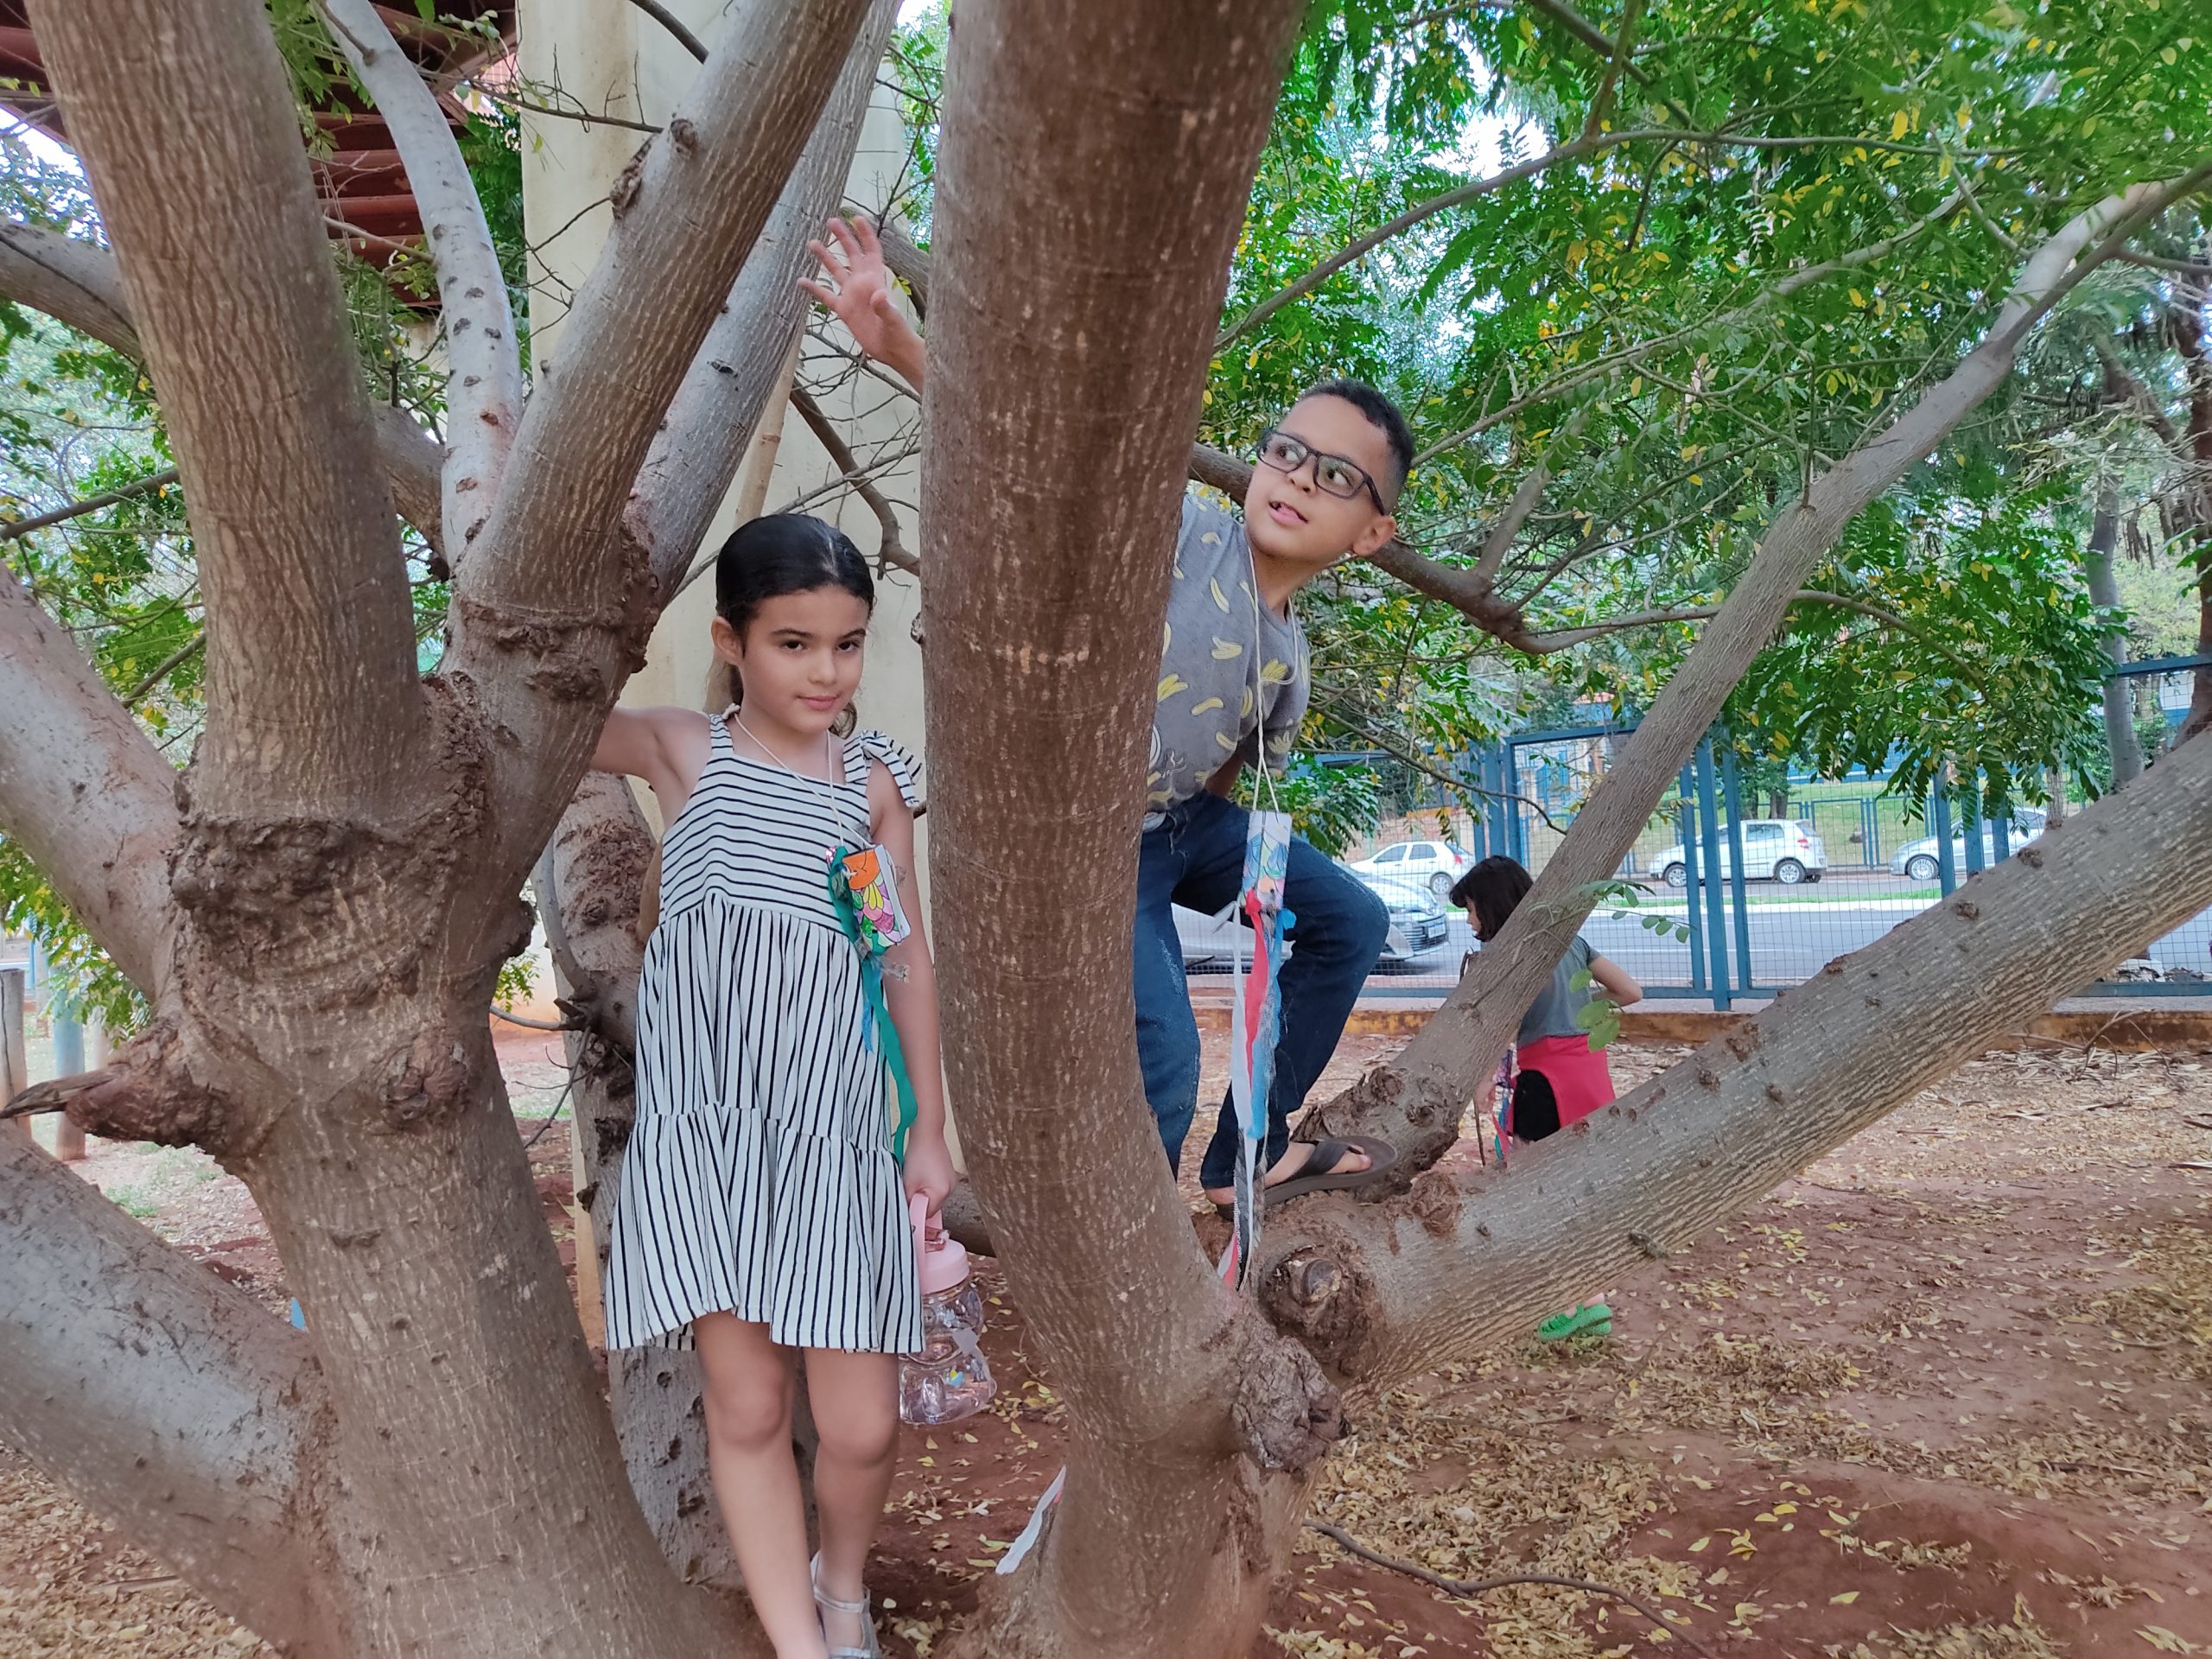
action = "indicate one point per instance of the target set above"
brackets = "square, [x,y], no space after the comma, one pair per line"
[748,1401]
[855,1399]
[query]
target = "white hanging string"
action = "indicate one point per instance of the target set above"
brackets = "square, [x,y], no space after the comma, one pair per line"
[827,786]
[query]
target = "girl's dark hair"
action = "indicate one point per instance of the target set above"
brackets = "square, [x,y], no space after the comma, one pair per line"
[785,553]
[766,558]
[1493,890]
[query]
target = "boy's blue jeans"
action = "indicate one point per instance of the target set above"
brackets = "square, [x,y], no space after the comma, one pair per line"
[1196,859]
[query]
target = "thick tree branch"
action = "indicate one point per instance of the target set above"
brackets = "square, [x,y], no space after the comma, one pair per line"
[891,548]
[182,113]
[165,1398]
[74,283]
[746,355]
[78,285]
[1417,1100]
[1382,1291]
[553,608]
[83,791]
[483,389]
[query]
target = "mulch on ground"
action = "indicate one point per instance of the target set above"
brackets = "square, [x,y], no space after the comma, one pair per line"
[1947,1395]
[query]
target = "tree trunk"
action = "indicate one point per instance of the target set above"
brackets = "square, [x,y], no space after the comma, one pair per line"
[166,1400]
[1417,1101]
[1085,221]
[2190,337]
[1383,1291]
[2104,591]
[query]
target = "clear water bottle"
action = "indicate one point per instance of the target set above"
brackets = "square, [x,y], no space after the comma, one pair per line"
[950,1379]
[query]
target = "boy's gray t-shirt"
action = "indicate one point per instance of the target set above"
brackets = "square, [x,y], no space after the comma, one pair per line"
[1228,665]
[1552,1014]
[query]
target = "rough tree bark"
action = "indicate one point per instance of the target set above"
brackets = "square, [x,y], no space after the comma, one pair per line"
[85,792]
[193,1432]
[1085,215]
[484,389]
[2194,341]
[1416,1101]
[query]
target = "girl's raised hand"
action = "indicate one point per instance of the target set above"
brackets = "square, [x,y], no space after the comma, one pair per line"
[928,1168]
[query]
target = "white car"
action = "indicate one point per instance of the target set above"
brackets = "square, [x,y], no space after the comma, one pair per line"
[1436,864]
[1775,850]
[1919,860]
[1418,924]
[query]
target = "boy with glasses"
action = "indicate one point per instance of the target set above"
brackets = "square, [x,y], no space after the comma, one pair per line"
[1234,681]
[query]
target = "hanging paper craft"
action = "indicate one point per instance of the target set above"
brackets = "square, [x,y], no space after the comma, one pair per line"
[866,898]
[1254,1024]
[875,898]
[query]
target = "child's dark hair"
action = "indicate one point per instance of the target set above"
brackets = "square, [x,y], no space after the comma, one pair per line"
[766,558]
[785,553]
[1493,890]
[1382,413]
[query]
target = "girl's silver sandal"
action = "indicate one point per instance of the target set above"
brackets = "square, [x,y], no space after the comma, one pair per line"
[830,1604]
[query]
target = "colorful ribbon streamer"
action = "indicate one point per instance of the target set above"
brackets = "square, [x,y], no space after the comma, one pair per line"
[894,1055]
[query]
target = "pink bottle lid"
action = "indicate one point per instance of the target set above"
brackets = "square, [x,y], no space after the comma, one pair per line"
[945,1261]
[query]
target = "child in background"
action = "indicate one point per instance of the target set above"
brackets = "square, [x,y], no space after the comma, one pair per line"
[763,1206]
[1561,1079]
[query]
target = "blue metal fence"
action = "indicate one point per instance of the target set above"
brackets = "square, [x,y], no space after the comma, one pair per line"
[1715,918]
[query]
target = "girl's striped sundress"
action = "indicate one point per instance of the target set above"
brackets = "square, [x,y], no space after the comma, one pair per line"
[760,1178]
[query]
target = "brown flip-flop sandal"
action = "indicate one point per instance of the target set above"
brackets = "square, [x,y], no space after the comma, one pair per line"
[1328,1153]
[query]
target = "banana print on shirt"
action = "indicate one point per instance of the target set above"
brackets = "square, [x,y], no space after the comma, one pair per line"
[1209,702]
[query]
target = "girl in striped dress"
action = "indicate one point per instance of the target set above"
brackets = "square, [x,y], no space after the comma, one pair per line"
[763,1206]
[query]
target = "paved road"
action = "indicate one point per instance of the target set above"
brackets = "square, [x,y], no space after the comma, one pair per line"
[1789,943]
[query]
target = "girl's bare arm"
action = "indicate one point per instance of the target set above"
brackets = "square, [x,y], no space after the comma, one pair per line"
[667,748]
[910,989]
[1615,980]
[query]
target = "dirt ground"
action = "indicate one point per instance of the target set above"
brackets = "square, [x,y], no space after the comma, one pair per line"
[1947,1395]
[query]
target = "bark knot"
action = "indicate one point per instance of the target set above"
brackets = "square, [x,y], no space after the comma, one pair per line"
[1287,1414]
[1325,1296]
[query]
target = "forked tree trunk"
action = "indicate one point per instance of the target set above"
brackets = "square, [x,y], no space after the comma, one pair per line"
[342,889]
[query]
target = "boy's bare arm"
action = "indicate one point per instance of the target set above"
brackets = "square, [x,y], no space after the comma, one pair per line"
[861,298]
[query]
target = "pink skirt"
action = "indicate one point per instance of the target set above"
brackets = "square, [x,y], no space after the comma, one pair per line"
[1580,1078]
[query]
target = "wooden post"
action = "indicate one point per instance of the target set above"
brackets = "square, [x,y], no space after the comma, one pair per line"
[15,1061]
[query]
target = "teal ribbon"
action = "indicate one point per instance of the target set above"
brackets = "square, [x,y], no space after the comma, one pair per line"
[894,1054]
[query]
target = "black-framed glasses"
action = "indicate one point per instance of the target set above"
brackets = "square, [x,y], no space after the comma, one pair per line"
[1333,474]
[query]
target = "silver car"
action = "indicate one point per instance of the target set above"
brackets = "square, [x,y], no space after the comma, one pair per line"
[1919,860]
[1418,924]
[1775,850]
